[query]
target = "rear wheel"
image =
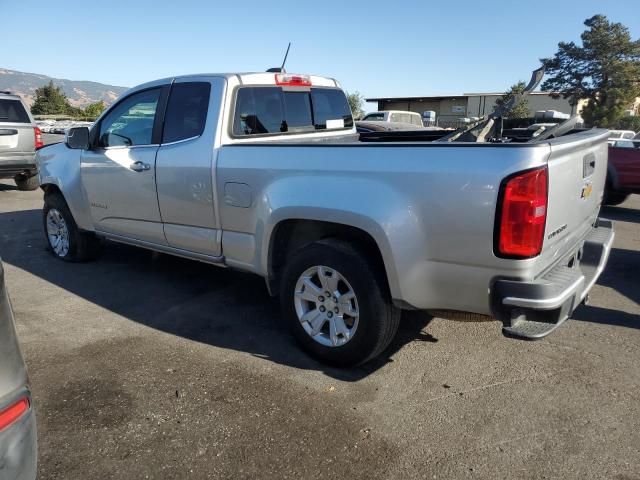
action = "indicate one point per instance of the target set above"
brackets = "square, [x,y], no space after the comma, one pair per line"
[335,304]
[65,240]
[613,197]
[26,183]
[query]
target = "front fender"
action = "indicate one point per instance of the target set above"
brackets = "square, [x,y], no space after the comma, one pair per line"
[60,166]
[367,204]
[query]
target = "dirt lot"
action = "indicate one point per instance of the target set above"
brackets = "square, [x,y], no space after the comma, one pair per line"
[147,366]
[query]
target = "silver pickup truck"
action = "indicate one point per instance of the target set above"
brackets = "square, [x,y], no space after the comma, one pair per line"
[265,173]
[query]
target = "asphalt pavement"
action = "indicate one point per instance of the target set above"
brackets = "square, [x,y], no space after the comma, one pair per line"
[149,366]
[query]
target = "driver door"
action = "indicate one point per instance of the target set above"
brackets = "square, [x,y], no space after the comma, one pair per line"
[118,173]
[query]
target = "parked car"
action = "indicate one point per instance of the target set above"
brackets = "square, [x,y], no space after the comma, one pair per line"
[366,126]
[17,419]
[265,173]
[20,137]
[394,116]
[623,176]
[620,135]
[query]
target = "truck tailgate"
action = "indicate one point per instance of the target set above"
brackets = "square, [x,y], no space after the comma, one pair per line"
[577,172]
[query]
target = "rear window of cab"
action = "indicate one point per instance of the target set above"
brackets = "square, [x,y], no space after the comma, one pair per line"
[276,110]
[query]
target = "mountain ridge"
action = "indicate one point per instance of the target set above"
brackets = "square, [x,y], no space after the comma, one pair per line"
[80,93]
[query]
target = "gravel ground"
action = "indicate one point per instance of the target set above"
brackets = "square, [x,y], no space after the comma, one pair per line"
[148,366]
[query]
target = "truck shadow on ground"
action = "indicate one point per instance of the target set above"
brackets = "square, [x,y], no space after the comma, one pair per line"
[5,187]
[204,303]
[621,214]
[621,274]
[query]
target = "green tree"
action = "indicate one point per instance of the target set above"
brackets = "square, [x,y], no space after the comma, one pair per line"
[520,109]
[628,123]
[94,110]
[50,100]
[356,100]
[604,70]
[74,111]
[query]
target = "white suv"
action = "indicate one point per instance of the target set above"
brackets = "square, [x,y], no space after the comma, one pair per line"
[19,140]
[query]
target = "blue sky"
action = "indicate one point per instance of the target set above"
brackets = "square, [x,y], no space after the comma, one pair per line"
[380,48]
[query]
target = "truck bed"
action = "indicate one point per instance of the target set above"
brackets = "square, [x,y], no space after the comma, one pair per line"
[435,201]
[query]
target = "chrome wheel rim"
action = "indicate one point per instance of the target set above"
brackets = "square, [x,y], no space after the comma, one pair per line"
[57,232]
[327,306]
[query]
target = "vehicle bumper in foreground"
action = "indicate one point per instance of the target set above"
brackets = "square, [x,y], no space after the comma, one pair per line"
[532,310]
[17,163]
[18,450]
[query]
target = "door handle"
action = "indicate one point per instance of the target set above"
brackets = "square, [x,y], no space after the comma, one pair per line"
[139,166]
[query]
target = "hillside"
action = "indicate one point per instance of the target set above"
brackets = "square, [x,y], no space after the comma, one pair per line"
[79,93]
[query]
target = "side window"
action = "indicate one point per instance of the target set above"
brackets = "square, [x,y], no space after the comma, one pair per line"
[131,121]
[186,111]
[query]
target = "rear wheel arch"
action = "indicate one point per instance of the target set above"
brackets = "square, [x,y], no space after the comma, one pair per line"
[291,235]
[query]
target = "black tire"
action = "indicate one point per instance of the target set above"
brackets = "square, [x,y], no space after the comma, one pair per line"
[613,197]
[83,246]
[25,183]
[378,318]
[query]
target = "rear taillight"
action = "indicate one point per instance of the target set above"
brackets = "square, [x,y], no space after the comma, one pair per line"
[38,137]
[291,80]
[13,413]
[523,214]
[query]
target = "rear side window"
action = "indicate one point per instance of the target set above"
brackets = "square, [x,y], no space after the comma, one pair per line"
[13,111]
[186,111]
[272,110]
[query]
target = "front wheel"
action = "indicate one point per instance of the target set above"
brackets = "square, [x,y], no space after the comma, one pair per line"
[65,240]
[336,305]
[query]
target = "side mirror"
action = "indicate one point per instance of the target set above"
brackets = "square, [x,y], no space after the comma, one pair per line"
[77,138]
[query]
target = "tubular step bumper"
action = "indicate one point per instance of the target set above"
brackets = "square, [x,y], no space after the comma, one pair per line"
[532,310]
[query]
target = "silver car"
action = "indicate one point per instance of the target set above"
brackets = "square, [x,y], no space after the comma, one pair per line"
[20,137]
[17,419]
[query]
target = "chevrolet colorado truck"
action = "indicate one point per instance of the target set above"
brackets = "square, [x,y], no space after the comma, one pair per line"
[265,173]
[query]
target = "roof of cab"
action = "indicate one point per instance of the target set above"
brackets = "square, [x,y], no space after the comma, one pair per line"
[247,78]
